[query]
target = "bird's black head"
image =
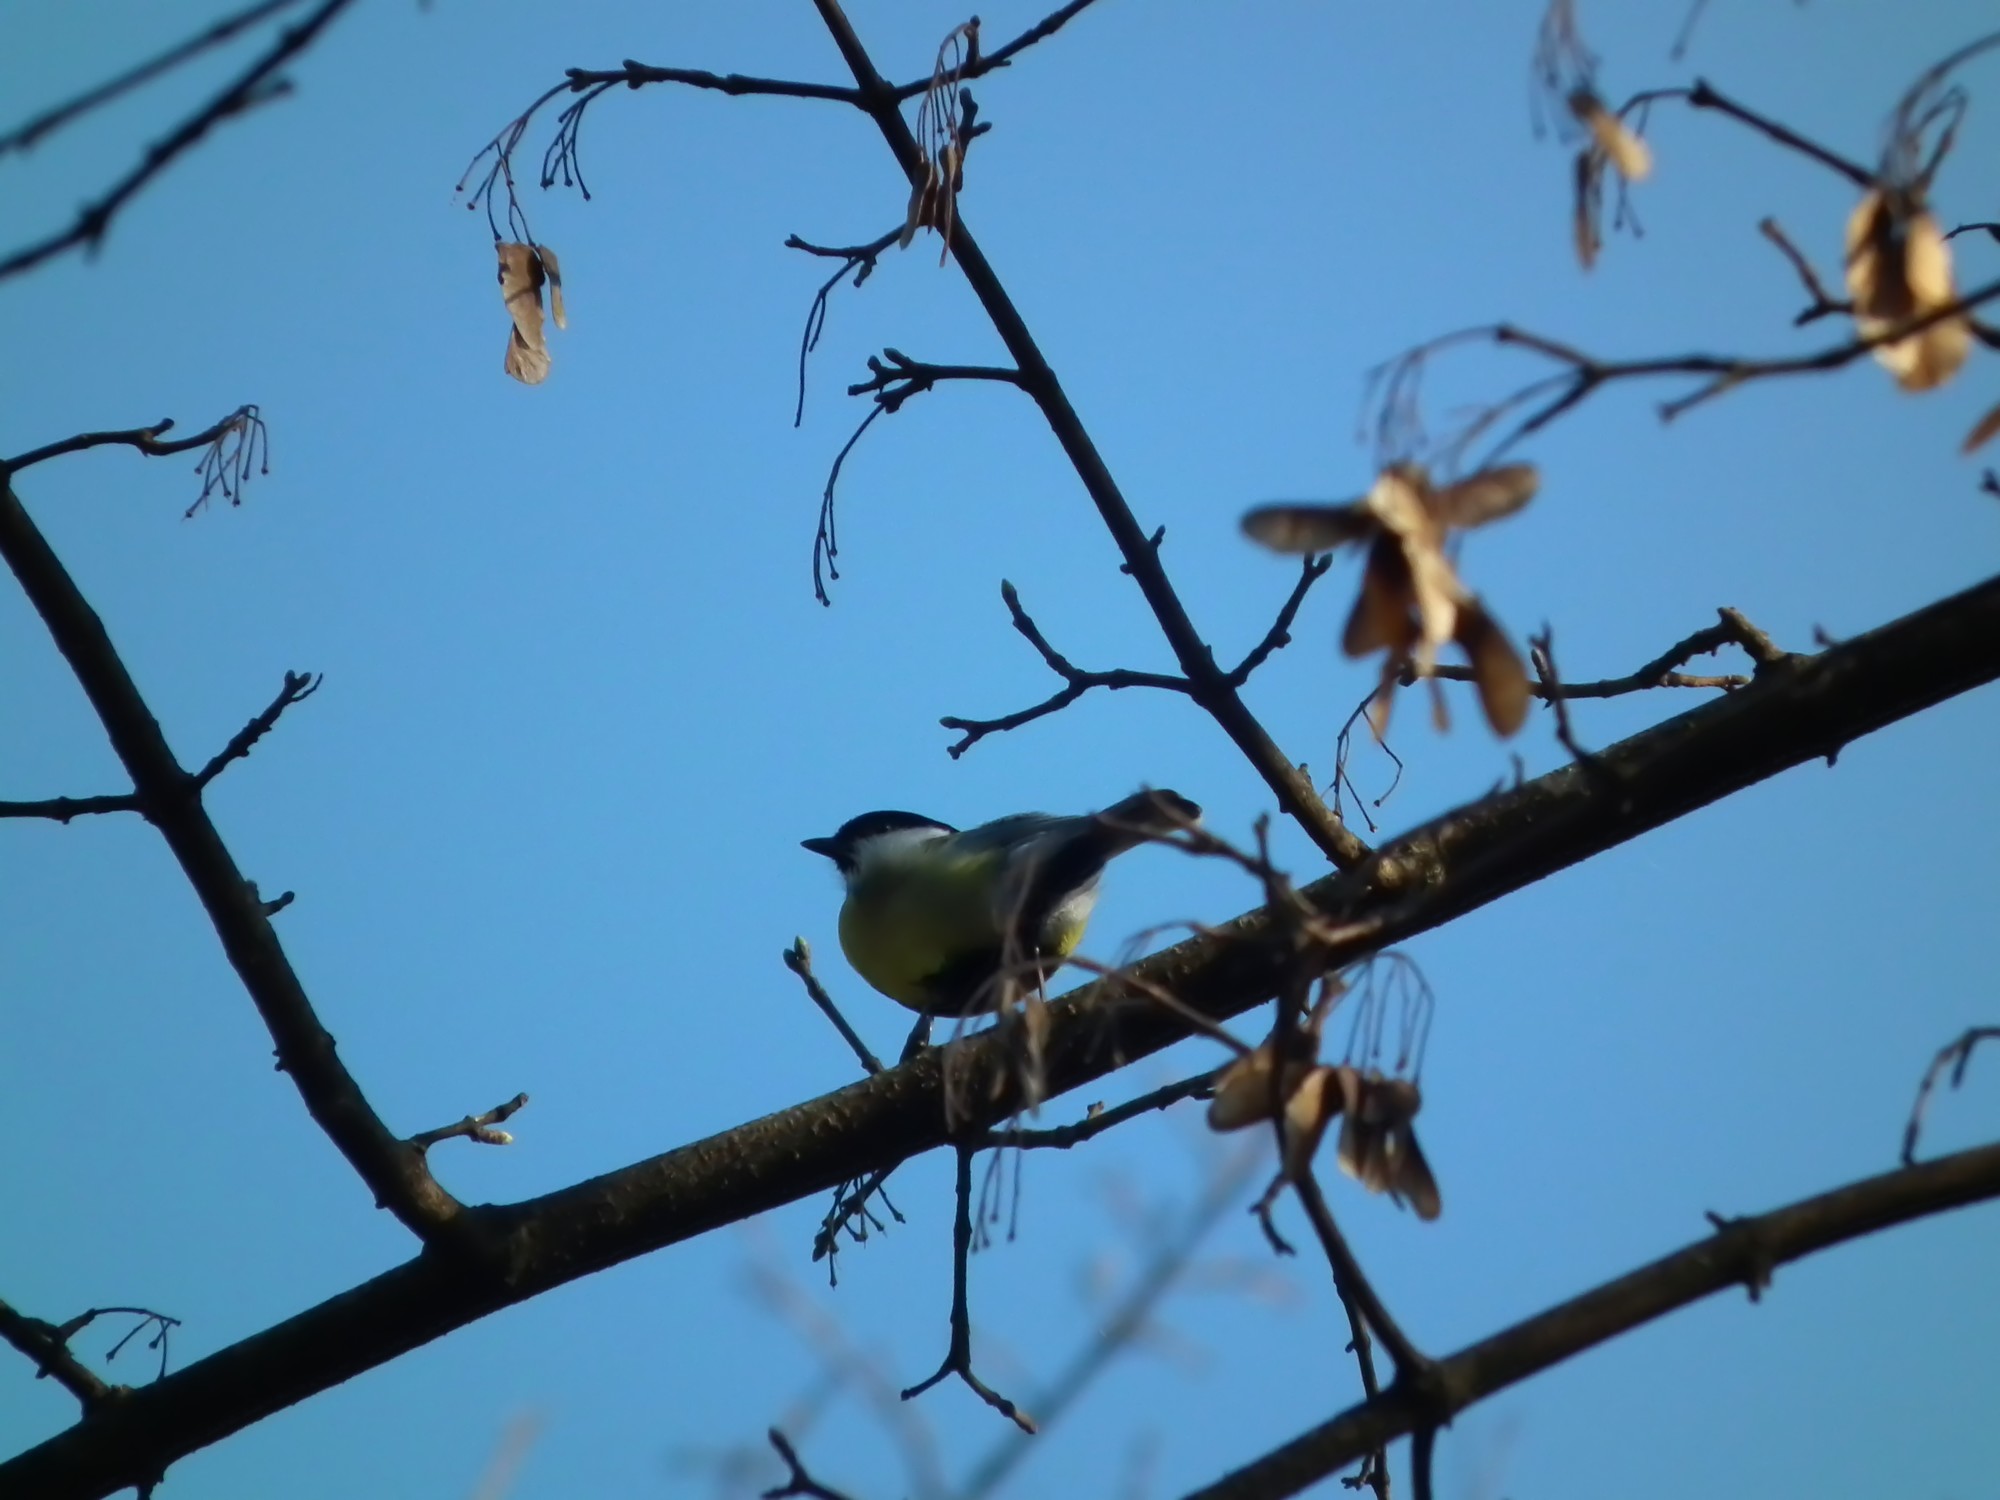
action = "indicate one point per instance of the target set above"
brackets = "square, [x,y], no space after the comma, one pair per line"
[844,846]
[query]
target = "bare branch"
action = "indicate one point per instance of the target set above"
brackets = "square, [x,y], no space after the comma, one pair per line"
[298,687]
[1660,672]
[901,377]
[1956,1056]
[985,63]
[242,433]
[171,801]
[1076,682]
[1097,1119]
[62,809]
[1209,685]
[1393,387]
[798,1481]
[1311,569]
[477,1128]
[798,958]
[1412,1366]
[860,261]
[1735,1255]
[49,121]
[256,85]
[958,1357]
[1703,96]
[1821,305]
[48,1346]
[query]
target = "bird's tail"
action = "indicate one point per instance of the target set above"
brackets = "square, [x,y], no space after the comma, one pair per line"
[1149,814]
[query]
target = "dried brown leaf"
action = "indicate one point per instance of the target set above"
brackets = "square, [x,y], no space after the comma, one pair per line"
[1583,215]
[1486,496]
[1381,616]
[521,277]
[1378,1143]
[1403,502]
[1309,1109]
[1620,145]
[1242,1092]
[554,273]
[1496,669]
[1899,269]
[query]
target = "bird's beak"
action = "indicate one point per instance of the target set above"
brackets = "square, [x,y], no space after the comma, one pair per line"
[828,847]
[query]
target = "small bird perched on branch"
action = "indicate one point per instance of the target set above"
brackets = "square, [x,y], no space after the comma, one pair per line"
[936,917]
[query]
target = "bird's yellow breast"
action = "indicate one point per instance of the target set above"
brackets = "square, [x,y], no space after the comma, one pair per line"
[904,930]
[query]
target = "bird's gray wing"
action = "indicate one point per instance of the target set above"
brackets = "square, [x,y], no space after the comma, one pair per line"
[1018,830]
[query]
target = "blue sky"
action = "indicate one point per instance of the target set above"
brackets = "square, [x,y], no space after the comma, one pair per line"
[580,706]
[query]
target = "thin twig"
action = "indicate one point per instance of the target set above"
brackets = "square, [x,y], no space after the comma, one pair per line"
[298,687]
[1351,1282]
[475,1127]
[1821,305]
[850,1203]
[1704,96]
[1958,1057]
[985,63]
[1098,1119]
[1076,682]
[958,1357]
[1311,569]
[860,261]
[798,958]
[256,85]
[62,809]
[895,377]
[797,1481]
[51,120]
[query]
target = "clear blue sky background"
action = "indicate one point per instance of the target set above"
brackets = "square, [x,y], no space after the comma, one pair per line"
[580,706]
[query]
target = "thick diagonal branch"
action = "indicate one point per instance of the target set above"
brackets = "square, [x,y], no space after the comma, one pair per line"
[1796,712]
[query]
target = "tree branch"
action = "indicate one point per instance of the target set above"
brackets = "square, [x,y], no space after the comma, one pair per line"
[1312,568]
[254,86]
[958,1355]
[171,800]
[635,75]
[1796,712]
[298,686]
[985,63]
[1076,683]
[1098,1119]
[24,137]
[1740,1253]
[48,1346]
[1209,685]
[1660,672]
[62,809]
[477,1128]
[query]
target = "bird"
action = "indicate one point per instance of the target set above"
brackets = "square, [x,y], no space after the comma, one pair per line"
[933,914]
